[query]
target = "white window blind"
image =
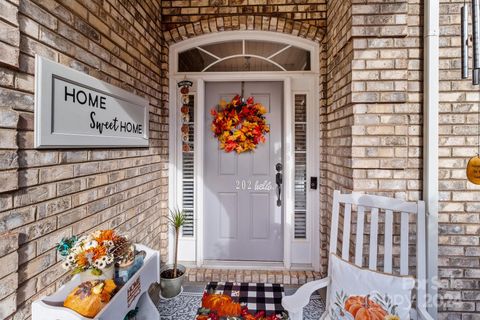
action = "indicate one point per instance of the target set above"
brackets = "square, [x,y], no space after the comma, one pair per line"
[300,166]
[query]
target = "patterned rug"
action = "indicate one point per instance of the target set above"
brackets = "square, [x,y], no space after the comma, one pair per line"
[185,306]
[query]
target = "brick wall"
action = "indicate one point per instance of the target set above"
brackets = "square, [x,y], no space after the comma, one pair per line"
[177,13]
[8,273]
[46,195]
[459,218]
[385,152]
[337,116]
[373,133]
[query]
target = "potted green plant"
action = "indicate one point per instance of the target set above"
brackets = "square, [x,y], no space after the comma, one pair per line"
[171,276]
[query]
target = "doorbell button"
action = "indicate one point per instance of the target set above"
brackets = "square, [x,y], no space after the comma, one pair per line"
[313,183]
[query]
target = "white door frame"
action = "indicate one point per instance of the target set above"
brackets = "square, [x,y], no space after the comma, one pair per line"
[294,83]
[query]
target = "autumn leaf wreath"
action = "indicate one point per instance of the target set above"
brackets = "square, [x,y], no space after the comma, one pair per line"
[239,125]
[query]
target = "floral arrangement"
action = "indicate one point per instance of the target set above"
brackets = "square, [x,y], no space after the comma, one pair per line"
[95,251]
[239,125]
[376,307]
[221,306]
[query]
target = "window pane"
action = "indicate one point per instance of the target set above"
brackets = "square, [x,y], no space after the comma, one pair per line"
[243,64]
[263,48]
[300,166]
[282,56]
[193,60]
[300,111]
[300,224]
[293,59]
[188,178]
[224,49]
[300,137]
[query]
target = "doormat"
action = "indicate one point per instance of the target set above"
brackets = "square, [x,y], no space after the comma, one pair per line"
[256,296]
[185,306]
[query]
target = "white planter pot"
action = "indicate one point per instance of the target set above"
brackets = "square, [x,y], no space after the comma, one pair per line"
[170,288]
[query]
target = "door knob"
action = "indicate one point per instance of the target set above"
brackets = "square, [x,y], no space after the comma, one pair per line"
[279,181]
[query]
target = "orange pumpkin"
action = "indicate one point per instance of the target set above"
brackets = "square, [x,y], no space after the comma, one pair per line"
[214,301]
[90,297]
[230,309]
[473,170]
[362,308]
[222,304]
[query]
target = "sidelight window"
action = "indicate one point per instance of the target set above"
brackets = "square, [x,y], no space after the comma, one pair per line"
[188,179]
[300,166]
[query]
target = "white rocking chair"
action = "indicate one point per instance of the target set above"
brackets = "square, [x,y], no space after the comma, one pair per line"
[295,303]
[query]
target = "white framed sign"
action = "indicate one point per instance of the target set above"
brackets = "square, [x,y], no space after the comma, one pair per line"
[75,110]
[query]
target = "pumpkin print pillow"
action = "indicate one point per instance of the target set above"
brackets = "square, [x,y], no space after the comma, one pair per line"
[361,294]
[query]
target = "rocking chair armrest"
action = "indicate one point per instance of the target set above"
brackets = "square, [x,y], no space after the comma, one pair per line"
[302,297]
[422,313]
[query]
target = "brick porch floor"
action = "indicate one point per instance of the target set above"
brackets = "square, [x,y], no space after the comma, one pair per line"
[263,276]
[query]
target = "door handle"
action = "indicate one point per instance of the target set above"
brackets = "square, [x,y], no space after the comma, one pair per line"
[279,181]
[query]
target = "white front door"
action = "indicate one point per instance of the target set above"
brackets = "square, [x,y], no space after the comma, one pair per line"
[242,203]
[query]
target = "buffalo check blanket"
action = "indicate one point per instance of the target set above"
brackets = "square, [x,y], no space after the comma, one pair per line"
[257,296]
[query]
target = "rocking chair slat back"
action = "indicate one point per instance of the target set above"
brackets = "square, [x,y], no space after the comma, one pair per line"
[380,213]
[388,243]
[372,258]
[404,231]
[335,219]
[359,236]
[347,221]
[421,255]
[372,201]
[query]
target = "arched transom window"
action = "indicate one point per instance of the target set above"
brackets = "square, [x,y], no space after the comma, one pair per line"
[243,56]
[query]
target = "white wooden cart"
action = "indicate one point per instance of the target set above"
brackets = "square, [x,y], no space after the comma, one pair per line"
[369,207]
[133,294]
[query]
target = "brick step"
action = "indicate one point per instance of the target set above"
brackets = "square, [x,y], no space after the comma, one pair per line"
[286,277]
